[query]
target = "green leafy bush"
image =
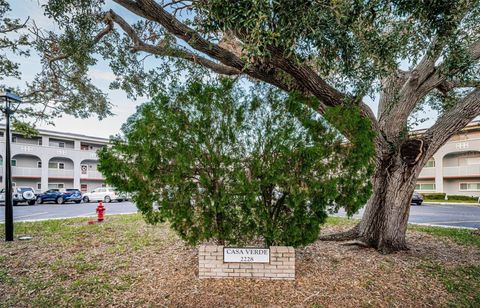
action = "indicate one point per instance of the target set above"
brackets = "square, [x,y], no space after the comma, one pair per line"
[219,164]
[460,197]
[434,196]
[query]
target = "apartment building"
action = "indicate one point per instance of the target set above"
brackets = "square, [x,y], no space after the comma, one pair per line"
[53,160]
[455,168]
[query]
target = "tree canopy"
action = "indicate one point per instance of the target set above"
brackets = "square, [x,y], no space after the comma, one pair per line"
[221,164]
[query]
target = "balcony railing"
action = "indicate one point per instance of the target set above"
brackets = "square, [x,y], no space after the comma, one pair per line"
[28,147]
[60,173]
[470,170]
[26,172]
[428,172]
[92,175]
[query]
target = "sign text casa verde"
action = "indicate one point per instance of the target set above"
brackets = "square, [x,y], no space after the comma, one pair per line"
[246,255]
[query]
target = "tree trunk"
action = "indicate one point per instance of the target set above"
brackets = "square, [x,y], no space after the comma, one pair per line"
[384,222]
[385,219]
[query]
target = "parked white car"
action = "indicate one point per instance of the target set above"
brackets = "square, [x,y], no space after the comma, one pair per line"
[20,195]
[104,194]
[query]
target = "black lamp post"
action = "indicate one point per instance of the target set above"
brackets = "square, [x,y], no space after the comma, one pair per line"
[9,98]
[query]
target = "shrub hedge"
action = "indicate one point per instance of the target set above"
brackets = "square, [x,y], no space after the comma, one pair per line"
[458,197]
[441,197]
[434,196]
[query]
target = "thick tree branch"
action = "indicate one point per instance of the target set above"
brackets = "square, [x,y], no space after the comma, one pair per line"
[452,121]
[168,51]
[154,12]
[328,95]
[448,85]
[441,74]
[420,83]
[391,86]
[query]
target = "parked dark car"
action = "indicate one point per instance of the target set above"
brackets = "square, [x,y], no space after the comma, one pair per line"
[60,197]
[417,198]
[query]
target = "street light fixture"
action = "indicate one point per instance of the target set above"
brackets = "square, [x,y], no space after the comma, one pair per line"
[10,98]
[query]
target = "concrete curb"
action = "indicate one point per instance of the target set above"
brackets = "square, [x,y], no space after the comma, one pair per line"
[450,203]
[426,224]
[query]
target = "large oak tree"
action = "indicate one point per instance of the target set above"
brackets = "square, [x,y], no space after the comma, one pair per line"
[407,53]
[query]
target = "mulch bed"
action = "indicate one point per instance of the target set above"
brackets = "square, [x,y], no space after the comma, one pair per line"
[96,269]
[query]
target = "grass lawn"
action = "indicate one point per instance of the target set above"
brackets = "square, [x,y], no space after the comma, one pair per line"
[125,262]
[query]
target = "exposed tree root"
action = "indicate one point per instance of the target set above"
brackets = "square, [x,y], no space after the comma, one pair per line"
[388,249]
[352,237]
[356,243]
[349,235]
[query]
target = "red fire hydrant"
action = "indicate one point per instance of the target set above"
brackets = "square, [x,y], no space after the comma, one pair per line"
[100,210]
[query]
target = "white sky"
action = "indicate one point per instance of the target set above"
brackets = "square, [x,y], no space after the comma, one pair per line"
[100,74]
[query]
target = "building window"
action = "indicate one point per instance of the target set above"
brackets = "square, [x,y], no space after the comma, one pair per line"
[56,186]
[14,138]
[425,187]
[1,134]
[40,141]
[61,144]
[39,164]
[470,186]
[430,163]
[14,162]
[53,165]
[39,186]
[1,161]
[61,166]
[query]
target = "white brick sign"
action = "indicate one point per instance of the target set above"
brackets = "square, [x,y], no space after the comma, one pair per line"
[246,255]
[211,262]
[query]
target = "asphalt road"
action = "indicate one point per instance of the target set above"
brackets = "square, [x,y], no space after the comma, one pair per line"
[464,216]
[442,215]
[68,210]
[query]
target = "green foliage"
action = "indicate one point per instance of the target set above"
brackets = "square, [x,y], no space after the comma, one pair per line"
[219,164]
[434,196]
[10,42]
[352,44]
[460,197]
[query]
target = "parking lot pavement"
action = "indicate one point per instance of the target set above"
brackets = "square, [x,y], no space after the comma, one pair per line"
[69,210]
[463,216]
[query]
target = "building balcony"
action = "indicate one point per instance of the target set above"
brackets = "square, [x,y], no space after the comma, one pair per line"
[93,175]
[26,172]
[428,172]
[461,171]
[60,173]
[49,151]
